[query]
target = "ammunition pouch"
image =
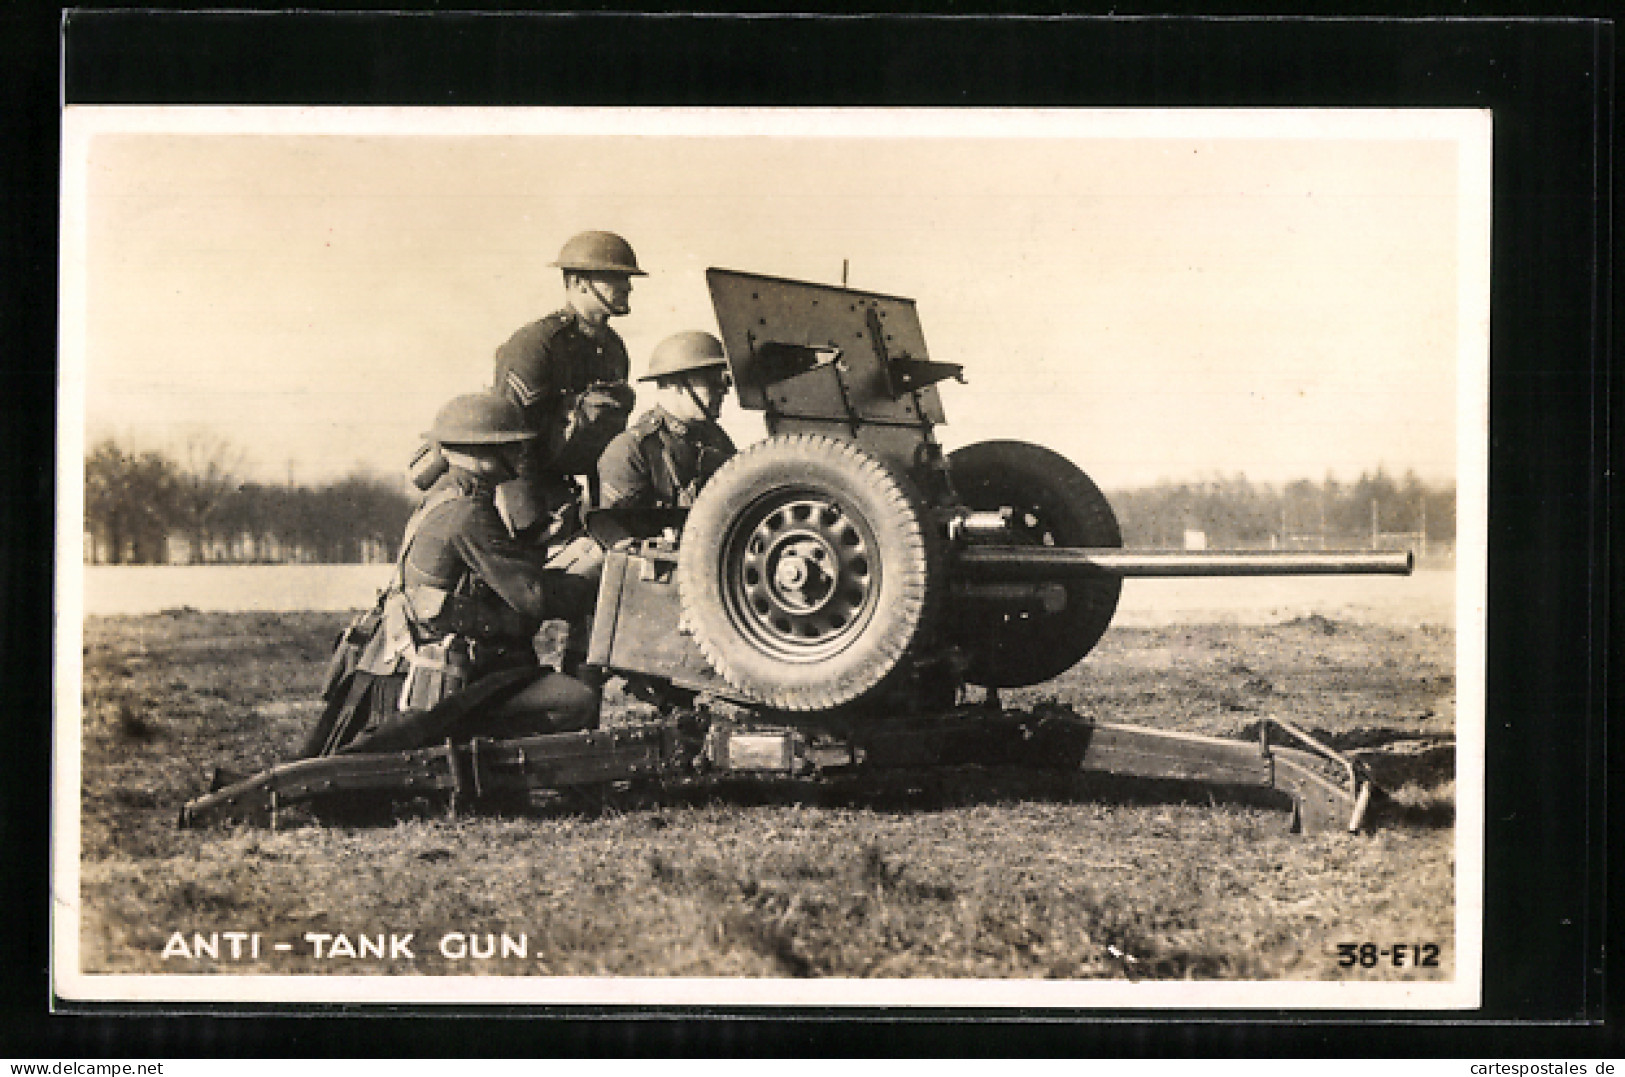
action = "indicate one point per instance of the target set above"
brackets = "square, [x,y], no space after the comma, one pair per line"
[436,671]
[588,424]
[392,640]
[347,650]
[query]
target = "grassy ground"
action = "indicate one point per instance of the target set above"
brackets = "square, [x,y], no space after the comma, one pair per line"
[977,873]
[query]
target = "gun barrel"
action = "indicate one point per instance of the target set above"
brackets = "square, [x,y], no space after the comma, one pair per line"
[1064,562]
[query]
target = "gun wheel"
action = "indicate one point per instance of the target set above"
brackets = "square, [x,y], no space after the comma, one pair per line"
[1050,503]
[805,572]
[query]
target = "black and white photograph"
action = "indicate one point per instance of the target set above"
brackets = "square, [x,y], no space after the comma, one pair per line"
[772,556]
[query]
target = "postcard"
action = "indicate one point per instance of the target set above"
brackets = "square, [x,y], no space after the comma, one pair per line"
[1070,591]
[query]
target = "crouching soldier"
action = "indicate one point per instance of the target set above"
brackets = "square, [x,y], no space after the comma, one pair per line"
[448,650]
[663,458]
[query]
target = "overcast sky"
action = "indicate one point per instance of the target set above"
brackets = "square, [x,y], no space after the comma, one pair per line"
[1156,295]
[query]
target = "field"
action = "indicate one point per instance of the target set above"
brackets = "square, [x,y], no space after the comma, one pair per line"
[977,873]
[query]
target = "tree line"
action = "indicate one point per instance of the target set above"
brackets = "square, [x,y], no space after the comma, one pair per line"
[151,508]
[1374,510]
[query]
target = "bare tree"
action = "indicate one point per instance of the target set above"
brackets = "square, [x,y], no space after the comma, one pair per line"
[208,477]
[131,502]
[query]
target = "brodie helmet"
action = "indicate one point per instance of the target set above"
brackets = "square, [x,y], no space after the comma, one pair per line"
[682,352]
[598,252]
[478,419]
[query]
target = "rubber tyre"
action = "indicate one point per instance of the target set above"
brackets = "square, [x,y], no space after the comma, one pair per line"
[805,572]
[1055,504]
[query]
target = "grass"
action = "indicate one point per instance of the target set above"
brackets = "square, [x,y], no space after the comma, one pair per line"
[973,873]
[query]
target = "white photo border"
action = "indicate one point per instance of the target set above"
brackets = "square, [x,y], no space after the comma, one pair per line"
[1469,129]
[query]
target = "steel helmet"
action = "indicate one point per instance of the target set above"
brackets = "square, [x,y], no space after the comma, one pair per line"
[479,419]
[598,252]
[682,352]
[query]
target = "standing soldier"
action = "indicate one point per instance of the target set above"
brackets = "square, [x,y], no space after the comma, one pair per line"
[663,459]
[567,373]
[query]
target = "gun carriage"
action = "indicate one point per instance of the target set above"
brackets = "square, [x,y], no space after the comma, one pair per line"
[847,583]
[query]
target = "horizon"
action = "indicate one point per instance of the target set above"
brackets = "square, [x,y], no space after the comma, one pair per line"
[1158,297]
[174,451]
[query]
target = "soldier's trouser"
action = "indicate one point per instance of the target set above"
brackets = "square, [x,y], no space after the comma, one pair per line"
[553,703]
[512,703]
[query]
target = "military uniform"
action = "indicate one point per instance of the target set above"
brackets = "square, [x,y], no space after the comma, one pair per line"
[545,368]
[462,572]
[462,580]
[660,462]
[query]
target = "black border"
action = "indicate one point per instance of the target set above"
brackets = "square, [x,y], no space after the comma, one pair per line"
[1550,83]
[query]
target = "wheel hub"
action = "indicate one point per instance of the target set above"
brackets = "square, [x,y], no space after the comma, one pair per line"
[801,574]
[802,577]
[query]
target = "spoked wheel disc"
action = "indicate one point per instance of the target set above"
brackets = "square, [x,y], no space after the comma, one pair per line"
[800,575]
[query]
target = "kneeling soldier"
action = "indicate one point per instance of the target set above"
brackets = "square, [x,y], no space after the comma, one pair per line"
[448,651]
[663,458]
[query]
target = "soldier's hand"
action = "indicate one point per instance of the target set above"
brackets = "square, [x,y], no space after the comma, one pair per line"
[614,394]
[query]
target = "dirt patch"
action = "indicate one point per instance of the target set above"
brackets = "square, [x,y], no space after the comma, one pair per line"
[1315,623]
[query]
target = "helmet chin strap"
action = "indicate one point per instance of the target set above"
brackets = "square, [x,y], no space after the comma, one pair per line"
[608,304]
[705,412]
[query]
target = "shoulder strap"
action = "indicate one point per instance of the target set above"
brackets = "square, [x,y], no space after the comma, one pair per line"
[443,496]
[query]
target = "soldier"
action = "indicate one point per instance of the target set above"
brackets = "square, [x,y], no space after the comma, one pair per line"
[568,375]
[663,459]
[660,462]
[448,652]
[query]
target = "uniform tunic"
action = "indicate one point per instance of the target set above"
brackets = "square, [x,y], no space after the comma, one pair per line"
[494,588]
[660,461]
[545,365]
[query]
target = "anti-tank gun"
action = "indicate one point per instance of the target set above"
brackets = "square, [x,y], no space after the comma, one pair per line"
[847,583]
